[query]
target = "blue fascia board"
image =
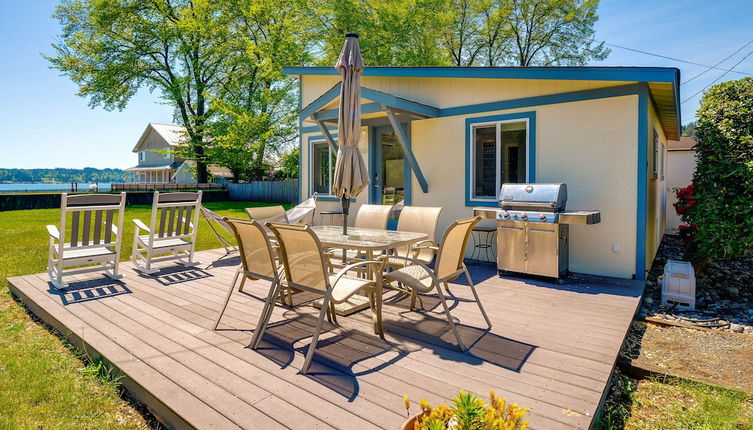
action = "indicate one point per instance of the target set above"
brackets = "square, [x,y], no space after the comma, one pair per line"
[332,113]
[639,74]
[398,102]
[469,122]
[641,184]
[320,102]
[598,93]
[314,128]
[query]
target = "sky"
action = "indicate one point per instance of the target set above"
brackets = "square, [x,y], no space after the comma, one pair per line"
[43,123]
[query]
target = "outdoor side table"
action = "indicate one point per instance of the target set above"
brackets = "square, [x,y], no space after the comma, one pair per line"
[331,215]
[483,242]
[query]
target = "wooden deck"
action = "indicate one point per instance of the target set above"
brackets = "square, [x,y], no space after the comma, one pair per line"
[552,348]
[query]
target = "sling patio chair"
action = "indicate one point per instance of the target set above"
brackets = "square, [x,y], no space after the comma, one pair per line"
[214,218]
[171,234]
[449,266]
[257,261]
[306,269]
[89,241]
[420,220]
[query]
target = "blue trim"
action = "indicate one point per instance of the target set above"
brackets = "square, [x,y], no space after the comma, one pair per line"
[640,74]
[531,161]
[407,151]
[332,113]
[314,128]
[598,93]
[375,158]
[310,139]
[641,184]
[398,102]
[300,140]
[320,102]
[330,138]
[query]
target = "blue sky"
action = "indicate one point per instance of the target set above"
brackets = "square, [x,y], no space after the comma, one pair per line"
[44,123]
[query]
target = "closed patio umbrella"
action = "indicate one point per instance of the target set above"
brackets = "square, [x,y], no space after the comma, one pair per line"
[351,174]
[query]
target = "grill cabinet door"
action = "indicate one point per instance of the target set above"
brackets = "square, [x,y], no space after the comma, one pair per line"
[543,251]
[511,246]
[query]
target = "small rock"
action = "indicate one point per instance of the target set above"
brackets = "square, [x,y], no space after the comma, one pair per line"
[737,328]
[732,291]
[648,301]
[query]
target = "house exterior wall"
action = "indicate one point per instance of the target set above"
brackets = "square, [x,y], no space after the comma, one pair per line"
[591,145]
[154,142]
[656,195]
[680,168]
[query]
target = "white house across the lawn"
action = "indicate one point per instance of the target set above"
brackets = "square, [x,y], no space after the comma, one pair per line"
[465,131]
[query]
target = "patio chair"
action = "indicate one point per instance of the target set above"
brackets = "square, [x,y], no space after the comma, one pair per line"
[90,241]
[449,266]
[257,260]
[302,213]
[171,234]
[214,218]
[368,216]
[306,269]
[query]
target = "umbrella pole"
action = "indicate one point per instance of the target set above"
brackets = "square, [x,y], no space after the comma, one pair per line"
[346,208]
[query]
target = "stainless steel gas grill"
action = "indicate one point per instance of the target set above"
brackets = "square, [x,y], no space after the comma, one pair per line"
[533,228]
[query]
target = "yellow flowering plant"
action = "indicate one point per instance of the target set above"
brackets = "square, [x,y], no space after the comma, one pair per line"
[469,412]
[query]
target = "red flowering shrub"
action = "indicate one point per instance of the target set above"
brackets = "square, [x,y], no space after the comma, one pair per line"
[684,206]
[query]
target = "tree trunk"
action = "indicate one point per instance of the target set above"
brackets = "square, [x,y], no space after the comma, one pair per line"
[202,175]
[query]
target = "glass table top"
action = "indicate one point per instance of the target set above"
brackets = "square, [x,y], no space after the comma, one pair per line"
[365,238]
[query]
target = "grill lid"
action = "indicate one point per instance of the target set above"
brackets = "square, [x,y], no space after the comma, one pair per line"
[541,197]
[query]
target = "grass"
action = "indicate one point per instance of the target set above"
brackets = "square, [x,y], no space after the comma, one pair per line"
[46,383]
[675,404]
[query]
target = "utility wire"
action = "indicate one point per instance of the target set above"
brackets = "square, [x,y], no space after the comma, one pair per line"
[676,59]
[720,77]
[717,64]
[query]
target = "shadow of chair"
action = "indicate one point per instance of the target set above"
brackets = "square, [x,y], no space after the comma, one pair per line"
[173,275]
[88,290]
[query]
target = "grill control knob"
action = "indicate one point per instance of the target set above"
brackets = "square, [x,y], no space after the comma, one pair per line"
[524,217]
[542,217]
[506,214]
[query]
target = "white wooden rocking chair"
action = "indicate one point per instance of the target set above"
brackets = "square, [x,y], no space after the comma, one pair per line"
[96,242]
[171,234]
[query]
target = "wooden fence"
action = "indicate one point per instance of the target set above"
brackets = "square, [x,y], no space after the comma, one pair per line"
[166,186]
[265,191]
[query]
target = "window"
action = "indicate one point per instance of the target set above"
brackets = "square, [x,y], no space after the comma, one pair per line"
[142,155]
[322,168]
[498,155]
[662,165]
[655,165]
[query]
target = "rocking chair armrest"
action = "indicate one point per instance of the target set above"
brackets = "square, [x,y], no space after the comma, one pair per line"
[340,273]
[141,226]
[53,231]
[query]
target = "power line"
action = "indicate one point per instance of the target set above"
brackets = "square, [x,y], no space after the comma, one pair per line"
[720,77]
[676,59]
[717,64]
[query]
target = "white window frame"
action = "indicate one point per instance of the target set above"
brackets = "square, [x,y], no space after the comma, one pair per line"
[498,161]
[333,158]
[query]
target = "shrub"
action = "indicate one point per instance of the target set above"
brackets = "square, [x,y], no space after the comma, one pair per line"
[469,412]
[685,206]
[723,181]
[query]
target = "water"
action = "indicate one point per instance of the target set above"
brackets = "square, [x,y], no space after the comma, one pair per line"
[45,188]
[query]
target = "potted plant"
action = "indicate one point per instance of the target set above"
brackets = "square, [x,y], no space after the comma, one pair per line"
[467,412]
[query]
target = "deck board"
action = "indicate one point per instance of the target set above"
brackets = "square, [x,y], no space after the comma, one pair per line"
[552,347]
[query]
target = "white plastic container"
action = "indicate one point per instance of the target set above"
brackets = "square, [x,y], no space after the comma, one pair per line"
[678,285]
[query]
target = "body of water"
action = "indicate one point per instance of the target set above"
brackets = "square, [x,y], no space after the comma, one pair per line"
[42,188]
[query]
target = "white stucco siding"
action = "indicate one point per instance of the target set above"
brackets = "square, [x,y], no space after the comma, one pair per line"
[590,145]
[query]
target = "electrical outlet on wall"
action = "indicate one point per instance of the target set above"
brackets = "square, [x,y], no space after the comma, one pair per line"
[615,246]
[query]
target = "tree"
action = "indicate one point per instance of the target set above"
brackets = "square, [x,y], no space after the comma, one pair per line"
[552,32]
[688,130]
[722,212]
[112,48]
[393,32]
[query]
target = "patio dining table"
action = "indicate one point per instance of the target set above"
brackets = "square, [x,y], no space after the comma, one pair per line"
[370,242]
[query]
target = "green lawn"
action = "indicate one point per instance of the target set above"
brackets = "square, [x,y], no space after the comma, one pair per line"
[44,383]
